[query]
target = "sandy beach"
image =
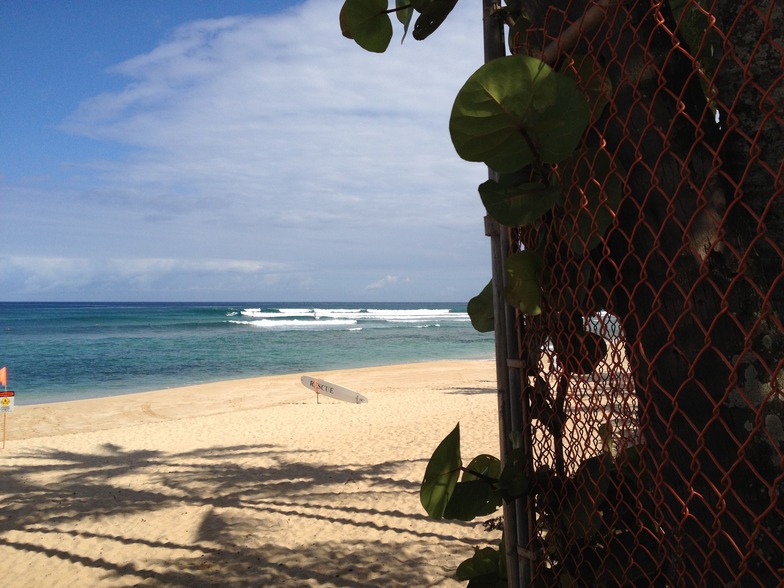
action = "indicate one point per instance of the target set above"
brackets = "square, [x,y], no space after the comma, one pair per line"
[243,483]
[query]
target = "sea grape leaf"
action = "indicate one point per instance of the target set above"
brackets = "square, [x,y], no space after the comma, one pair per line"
[482,467]
[431,17]
[483,562]
[488,116]
[522,34]
[631,463]
[441,475]
[558,131]
[513,481]
[344,29]
[592,79]
[596,473]
[515,110]
[703,41]
[514,6]
[481,311]
[517,205]
[368,23]
[542,407]
[591,483]
[596,188]
[524,282]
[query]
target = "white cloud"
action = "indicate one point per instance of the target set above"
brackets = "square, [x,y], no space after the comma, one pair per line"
[387,280]
[276,138]
[58,275]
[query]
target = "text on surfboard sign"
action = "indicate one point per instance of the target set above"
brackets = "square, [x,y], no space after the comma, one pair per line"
[321,387]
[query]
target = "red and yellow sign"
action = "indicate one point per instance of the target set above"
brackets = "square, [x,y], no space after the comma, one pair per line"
[6,401]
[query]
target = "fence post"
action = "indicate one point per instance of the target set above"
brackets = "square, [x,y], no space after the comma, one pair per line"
[509,401]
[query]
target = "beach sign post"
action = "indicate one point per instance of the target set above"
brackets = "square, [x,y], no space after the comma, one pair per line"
[6,398]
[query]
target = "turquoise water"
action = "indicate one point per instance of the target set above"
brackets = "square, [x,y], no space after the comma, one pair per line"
[66,351]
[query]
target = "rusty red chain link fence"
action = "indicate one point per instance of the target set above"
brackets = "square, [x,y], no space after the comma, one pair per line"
[653,382]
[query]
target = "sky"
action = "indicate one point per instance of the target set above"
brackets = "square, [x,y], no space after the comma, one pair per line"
[232,150]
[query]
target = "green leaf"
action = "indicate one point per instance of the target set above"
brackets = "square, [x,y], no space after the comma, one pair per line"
[518,205]
[471,499]
[515,110]
[592,79]
[345,31]
[514,6]
[605,432]
[441,475]
[486,466]
[542,407]
[596,473]
[481,311]
[515,439]
[566,580]
[431,18]
[474,495]
[596,188]
[631,463]
[522,34]
[581,515]
[560,128]
[524,282]
[484,562]
[405,13]
[694,27]
[513,481]
[368,23]
[489,113]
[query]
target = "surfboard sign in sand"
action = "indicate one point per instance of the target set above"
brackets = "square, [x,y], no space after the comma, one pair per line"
[322,387]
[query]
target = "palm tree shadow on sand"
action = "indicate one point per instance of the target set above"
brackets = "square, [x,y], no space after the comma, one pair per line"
[232,522]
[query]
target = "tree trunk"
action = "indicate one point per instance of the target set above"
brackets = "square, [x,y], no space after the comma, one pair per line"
[696,270]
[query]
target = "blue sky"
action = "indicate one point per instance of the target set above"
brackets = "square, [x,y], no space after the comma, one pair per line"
[232,150]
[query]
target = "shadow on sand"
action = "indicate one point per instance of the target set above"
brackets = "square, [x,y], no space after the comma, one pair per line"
[233,510]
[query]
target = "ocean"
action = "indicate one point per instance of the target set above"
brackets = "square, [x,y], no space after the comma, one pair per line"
[69,351]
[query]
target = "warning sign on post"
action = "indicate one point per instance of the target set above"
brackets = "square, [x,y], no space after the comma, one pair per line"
[6,401]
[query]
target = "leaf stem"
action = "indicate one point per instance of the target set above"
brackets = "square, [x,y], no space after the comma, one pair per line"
[482,477]
[398,8]
[530,142]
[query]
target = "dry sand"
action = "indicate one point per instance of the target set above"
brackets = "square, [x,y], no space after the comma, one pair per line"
[242,483]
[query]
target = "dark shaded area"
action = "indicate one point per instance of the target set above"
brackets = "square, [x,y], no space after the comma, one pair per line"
[471,391]
[692,265]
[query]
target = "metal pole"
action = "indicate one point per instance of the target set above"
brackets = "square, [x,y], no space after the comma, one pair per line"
[509,409]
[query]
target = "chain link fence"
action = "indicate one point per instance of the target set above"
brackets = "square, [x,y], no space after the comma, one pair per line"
[652,381]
